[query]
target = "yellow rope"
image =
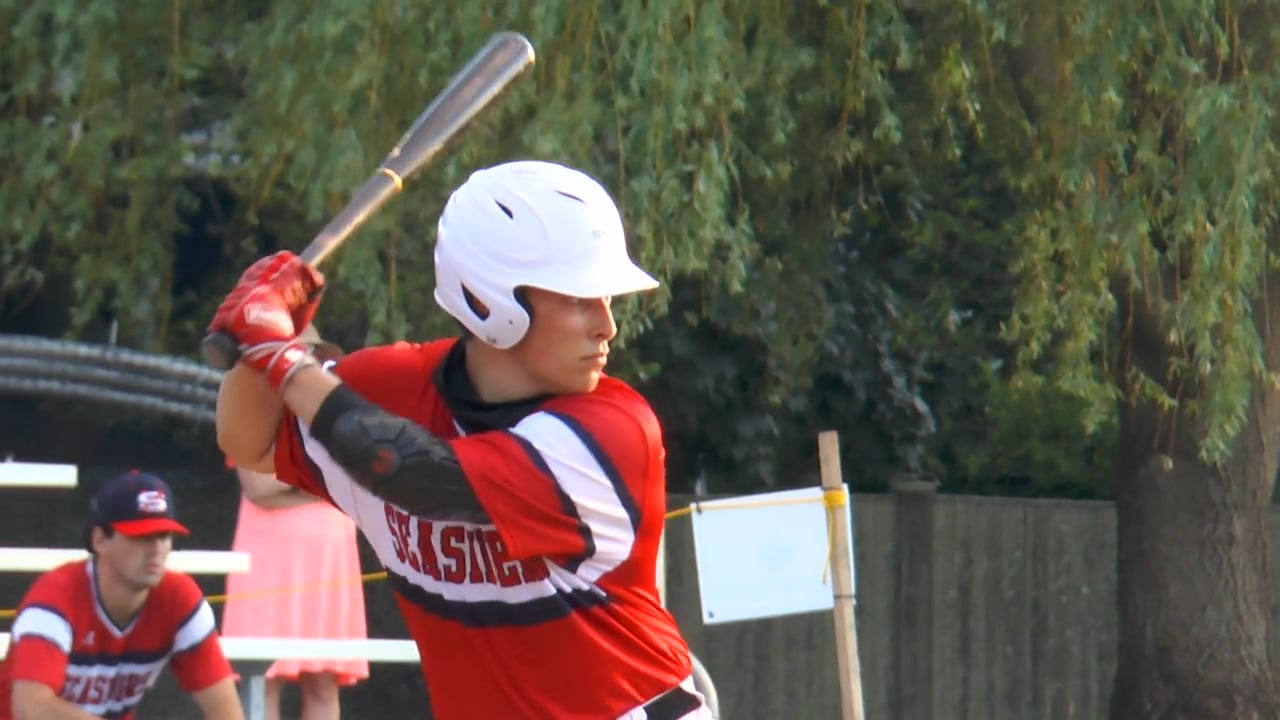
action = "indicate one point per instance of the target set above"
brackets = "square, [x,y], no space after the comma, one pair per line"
[367,577]
[831,499]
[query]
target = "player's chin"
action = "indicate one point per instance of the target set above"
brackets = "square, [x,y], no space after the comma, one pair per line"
[147,579]
[580,383]
[571,378]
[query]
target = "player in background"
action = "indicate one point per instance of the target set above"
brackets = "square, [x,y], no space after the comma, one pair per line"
[515,492]
[92,636]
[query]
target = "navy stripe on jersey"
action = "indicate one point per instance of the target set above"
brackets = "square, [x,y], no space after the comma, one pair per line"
[588,540]
[195,628]
[495,613]
[625,498]
[100,605]
[131,657]
[191,615]
[47,637]
[591,480]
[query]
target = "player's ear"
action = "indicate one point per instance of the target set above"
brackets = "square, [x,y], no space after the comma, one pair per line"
[95,537]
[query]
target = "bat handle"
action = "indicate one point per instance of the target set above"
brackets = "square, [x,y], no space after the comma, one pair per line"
[220,350]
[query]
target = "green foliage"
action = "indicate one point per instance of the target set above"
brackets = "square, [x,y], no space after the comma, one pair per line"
[1150,172]
[632,95]
[735,150]
[1028,442]
[859,209]
[91,150]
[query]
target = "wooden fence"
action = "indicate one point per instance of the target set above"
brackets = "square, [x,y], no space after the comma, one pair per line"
[969,608]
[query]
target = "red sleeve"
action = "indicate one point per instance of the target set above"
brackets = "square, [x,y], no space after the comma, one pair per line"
[197,660]
[564,482]
[39,659]
[201,666]
[292,466]
[42,633]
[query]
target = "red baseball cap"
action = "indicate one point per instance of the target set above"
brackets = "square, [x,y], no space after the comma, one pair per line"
[136,504]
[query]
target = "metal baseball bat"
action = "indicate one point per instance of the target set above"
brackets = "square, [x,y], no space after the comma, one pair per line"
[499,62]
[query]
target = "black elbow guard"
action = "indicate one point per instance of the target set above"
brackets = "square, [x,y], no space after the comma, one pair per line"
[394,458]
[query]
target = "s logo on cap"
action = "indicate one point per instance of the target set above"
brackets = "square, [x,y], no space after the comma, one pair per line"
[152,501]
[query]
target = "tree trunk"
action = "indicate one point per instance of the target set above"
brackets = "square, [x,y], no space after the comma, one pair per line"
[1194,585]
[1193,592]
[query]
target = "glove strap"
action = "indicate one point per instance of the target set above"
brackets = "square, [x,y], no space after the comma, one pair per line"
[288,360]
[282,360]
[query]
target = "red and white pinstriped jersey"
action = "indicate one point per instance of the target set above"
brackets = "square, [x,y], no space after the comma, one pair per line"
[551,610]
[62,637]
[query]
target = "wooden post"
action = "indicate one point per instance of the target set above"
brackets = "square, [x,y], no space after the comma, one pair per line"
[911,694]
[846,625]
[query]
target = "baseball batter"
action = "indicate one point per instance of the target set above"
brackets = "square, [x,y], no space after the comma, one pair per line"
[514,491]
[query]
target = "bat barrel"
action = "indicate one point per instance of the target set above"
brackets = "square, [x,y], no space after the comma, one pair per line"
[377,190]
[501,60]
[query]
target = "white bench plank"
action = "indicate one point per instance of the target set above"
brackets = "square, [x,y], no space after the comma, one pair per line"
[267,649]
[372,649]
[37,475]
[196,562]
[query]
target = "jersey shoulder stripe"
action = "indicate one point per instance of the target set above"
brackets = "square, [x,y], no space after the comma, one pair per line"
[195,628]
[602,457]
[45,622]
[570,508]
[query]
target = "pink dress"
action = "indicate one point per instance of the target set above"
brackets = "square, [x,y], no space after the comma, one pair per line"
[303,582]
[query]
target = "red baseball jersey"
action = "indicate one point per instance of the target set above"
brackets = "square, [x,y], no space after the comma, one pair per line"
[62,637]
[551,610]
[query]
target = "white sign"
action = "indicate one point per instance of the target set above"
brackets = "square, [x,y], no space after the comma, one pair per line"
[764,555]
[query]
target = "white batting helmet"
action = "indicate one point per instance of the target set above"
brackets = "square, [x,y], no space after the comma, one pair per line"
[528,224]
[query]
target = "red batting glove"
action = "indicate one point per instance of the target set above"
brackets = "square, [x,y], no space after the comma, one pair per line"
[273,301]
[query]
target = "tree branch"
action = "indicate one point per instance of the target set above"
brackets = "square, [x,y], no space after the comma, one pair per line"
[1142,337]
[1031,66]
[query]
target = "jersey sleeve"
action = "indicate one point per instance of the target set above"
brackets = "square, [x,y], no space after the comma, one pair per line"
[564,483]
[292,464]
[197,660]
[389,376]
[40,643]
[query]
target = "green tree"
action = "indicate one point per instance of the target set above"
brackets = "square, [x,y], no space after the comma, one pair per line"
[1146,247]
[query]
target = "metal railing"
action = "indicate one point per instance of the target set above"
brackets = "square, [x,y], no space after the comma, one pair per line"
[111,374]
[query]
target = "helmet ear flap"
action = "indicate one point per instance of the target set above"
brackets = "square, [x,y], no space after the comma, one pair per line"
[473,303]
[496,316]
[477,306]
[521,295]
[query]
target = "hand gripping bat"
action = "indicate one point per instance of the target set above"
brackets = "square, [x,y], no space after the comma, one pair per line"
[499,62]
